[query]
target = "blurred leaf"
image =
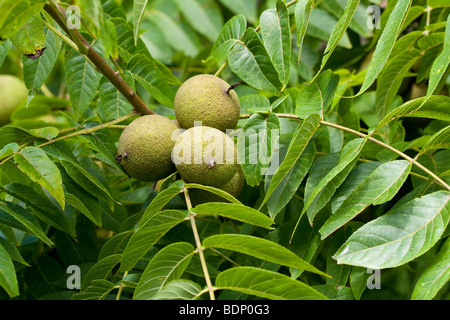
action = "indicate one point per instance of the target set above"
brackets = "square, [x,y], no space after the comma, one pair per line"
[4,48]
[399,236]
[265,284]
[16,13]
[321,25]
[248,8]
[158,203]
[200,18]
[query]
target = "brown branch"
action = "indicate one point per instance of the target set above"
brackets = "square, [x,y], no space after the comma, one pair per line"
[59,15]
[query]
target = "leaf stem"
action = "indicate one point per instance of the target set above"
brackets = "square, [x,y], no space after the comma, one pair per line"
[370,138]
[199,245]
[84,48]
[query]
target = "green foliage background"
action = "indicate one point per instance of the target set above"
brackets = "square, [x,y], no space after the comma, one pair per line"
[364,174]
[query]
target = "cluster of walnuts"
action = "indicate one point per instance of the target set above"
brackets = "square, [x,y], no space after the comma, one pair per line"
[195,145]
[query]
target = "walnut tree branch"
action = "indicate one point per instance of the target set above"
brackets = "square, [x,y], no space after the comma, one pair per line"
[58,14]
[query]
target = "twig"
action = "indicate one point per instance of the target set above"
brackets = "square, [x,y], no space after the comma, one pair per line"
[370,138]
[84,48]
[199,245]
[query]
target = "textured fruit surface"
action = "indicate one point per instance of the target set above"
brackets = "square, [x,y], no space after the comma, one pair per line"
[206,156]
[233,187]
[12,93]
[145,147]
[206,98]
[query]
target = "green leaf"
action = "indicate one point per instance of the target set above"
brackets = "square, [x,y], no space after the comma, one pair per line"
[248,8]
[320,189]
[8,278]
[16,13]
[95,217]
[317,96]
[114,104]
[230,34]
[138,16]
[339,30]
[435,276]
[167,265]
[87,181]
[259,248]
[180,40]
[31,37]
[82,81]
[321,25]
[10,134]
[17,217]
[250,61]
[179,290]
[436,107]
[215,191]
[258,142]
[201,20]
[302,14]
[440,140]
[399,236]
[380,186]
[294,167]
[236,212]
[276,35]
[98,290]
[441,63]
[386,43]
[438,3]
[38,166]
[146,72]
[265,284]
[158,203]
[391,78]
[147,235]
[100,270]
[358,23]
[4,48]
[42,207]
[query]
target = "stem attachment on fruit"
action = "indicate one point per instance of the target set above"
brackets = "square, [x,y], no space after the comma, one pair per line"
[233,86]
